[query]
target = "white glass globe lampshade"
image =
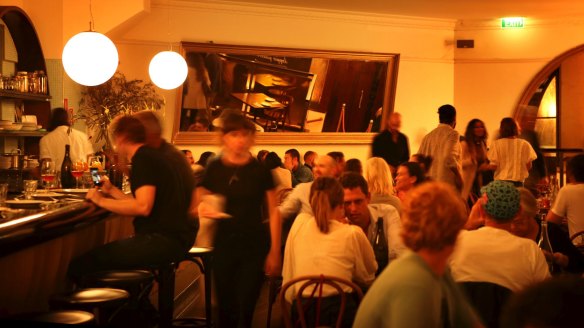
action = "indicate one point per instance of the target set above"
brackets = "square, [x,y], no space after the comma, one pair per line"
[90,58]
[168,70]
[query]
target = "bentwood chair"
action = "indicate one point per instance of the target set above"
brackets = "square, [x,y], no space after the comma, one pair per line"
[303,304]
[488,299]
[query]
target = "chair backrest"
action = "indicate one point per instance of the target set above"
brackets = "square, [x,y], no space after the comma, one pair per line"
[317,282]
[488,299]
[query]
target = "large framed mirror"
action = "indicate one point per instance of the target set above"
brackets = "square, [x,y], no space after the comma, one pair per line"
[291,95]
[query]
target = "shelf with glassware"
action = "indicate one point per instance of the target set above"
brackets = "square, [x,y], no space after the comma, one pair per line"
[17,95]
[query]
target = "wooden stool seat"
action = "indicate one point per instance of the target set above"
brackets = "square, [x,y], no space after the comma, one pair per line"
[44,319]
[91,297]
[123,279]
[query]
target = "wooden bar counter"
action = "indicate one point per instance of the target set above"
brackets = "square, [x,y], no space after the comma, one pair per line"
[35,252]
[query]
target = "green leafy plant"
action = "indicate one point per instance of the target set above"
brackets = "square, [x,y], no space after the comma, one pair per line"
[100,104]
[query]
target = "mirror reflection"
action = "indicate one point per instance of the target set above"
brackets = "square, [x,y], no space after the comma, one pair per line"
[285,90]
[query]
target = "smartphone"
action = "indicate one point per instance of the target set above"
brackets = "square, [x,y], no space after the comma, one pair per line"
[95,176]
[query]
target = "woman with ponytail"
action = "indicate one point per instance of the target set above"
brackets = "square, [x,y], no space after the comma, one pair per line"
[324,243]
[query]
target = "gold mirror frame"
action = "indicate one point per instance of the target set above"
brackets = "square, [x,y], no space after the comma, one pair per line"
[291,138]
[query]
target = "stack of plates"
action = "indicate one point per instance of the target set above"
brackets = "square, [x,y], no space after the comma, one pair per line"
[4,123]
[29,126]
[12,126]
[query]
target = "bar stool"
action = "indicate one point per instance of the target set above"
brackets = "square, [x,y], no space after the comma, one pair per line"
[202,257]
[137,282]
[94,300]
[50,319]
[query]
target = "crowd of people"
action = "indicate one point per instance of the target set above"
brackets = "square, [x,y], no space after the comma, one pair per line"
[451,215]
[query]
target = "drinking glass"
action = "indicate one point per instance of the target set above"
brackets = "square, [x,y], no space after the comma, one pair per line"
[48,172]
[79,167]
[30,187]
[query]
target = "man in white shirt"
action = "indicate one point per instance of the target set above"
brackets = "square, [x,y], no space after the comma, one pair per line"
[568,204]
[443,145]
[53,144]
[492,253]
[298,201]
[365,215]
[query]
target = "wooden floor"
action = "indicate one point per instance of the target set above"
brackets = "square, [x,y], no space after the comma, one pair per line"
[196,309]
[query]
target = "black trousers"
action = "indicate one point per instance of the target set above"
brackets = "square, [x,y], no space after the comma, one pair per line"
[138,252]
[238,266]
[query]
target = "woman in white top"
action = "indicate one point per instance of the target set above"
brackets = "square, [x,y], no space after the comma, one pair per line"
[510,156]
[326,244]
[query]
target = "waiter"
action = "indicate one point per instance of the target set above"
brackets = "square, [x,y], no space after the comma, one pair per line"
[60,134]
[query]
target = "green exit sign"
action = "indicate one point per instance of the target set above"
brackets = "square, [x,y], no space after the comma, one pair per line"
[512,22]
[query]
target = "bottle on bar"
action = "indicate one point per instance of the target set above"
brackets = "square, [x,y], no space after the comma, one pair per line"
[67,178]
[545,244]
[380,248]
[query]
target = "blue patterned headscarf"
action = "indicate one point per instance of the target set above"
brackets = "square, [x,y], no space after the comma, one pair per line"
[502,200]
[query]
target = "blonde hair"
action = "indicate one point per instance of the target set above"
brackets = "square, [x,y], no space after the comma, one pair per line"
[433,215]
[326,194]
[378,176]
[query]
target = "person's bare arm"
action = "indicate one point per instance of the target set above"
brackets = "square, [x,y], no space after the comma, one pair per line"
[273,265]
[141,205]
[553,217]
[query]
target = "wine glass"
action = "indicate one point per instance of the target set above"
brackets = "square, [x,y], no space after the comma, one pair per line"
[48,172]
[79,167]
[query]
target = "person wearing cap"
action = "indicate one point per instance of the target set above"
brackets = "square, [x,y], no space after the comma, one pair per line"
[443,145]
[492,253]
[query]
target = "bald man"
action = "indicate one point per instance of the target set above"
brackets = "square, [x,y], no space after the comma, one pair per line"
[391,144]
[298,200]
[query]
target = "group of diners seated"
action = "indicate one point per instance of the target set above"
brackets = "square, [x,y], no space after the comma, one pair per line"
[415,248]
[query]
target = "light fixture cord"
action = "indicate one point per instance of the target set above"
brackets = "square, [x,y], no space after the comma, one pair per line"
[91,22]
[169,27]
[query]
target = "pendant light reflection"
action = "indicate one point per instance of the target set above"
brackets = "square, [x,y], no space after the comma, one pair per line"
[168,70]
[90,58]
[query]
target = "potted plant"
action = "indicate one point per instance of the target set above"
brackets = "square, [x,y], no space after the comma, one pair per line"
[100,104]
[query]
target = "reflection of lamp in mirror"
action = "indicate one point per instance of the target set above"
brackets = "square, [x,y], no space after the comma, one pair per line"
[90,58]
[168,70]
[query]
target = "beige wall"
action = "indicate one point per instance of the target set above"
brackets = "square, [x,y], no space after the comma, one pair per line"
[483,82]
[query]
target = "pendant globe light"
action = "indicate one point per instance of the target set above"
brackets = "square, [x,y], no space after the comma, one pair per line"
[90,58]
[168,69]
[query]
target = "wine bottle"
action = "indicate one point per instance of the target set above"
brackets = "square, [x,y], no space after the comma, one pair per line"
[380,247]
[67,179]
[545,244]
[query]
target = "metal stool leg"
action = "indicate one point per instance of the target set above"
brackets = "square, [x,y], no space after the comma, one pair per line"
[166,294]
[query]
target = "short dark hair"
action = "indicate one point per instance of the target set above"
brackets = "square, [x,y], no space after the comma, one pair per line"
[415,170]
[293,153]
[354,165]
[233,120]
[308,154]
[508,128]
[352,180]
[425,161]
[447,114]
[272,161]
[576,167]
[59,116]
[129,127]
[204,158]
[261,156]
[338,156]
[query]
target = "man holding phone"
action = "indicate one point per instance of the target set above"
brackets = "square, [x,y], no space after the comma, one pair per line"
[158,202]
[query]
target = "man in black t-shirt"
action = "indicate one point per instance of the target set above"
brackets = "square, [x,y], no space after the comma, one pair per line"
[158,203]
[391,144]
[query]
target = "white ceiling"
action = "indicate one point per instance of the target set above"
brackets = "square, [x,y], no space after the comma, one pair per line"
[449,9]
